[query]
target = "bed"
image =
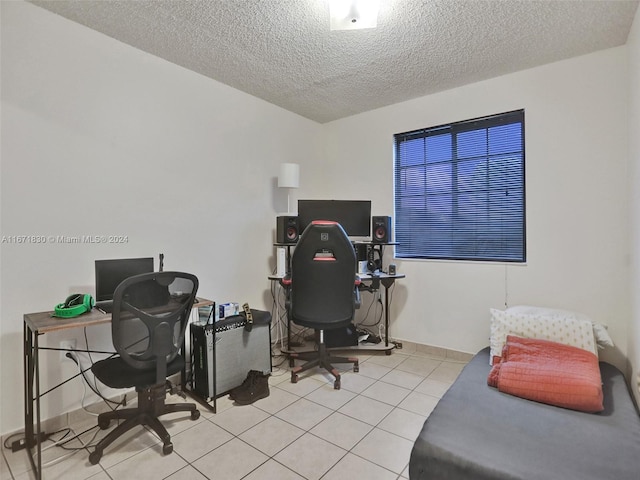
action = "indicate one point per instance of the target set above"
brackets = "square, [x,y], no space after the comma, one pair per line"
[476,432]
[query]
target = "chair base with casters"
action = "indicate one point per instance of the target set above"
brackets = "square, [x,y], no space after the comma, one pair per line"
[320,358]
[151,405]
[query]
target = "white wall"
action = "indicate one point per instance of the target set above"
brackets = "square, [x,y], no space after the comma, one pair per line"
[633,45]
[577,206]
[99,138]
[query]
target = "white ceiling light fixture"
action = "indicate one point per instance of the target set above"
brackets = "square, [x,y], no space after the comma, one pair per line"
[353,14]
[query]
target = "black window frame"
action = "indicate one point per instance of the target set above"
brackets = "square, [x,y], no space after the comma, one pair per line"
[420,232]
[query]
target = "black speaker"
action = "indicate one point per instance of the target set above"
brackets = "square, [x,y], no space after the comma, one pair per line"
[287,229]
[381,228]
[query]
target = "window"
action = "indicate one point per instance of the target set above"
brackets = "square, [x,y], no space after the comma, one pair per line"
[460,191]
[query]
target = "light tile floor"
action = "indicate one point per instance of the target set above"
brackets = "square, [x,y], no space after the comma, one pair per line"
[301,431]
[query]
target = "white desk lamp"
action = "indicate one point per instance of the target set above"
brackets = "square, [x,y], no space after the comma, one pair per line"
[289,178]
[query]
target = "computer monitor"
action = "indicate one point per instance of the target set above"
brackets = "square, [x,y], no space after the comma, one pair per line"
[353,215]
[110,273]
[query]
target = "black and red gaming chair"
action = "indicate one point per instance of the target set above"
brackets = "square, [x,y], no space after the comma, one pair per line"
[323,291]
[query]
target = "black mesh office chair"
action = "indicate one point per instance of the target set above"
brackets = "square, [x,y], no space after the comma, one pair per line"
[323,291]
[150,315]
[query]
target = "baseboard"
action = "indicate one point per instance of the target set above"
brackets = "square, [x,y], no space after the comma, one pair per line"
[411,348]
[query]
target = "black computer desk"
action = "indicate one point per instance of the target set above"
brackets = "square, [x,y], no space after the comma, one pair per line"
[36,324]
[368,279]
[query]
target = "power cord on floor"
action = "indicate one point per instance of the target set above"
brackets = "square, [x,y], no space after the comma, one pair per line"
[62,443]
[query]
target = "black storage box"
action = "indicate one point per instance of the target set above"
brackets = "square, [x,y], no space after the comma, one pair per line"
[341,337]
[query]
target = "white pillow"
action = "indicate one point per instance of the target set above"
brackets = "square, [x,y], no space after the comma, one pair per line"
[570,331]
[603,339]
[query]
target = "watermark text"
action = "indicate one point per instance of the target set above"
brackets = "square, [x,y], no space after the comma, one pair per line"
[62,239]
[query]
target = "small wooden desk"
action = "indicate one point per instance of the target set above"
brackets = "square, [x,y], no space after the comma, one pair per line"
[36,324]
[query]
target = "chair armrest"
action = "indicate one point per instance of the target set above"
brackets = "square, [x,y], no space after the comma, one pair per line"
[356,293]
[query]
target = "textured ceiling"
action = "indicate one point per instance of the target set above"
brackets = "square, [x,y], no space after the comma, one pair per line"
[283,51]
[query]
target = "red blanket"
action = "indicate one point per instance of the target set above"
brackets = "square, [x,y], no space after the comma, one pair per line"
[549,372]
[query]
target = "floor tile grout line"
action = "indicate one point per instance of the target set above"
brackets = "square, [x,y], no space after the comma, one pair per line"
[272,413]
[308,431]
[357,443]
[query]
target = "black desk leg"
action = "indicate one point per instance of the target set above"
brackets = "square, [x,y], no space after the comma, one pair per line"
[28,384]
[183,372]
[31,378]
[386,282]
[386,316]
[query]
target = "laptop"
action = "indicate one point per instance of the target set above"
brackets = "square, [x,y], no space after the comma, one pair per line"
[110,273]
